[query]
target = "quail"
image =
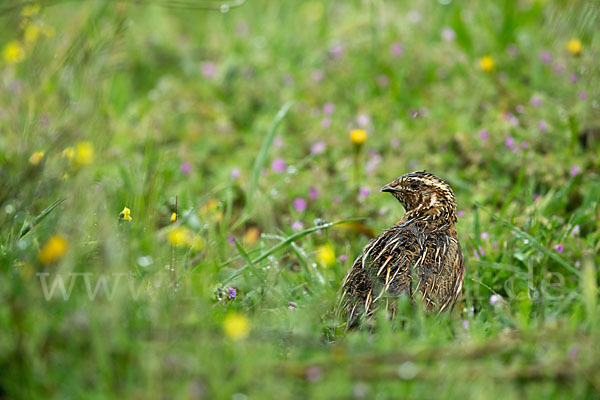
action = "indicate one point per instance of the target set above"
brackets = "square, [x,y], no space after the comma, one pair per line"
[419,256]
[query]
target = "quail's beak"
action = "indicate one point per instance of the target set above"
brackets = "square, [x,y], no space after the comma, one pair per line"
[389,188]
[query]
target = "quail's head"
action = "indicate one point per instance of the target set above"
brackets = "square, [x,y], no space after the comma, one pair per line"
[424,193]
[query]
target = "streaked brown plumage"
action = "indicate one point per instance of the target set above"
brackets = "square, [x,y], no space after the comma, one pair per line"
[419,254]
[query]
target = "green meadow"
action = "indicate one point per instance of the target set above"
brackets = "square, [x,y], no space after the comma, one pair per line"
[185,183]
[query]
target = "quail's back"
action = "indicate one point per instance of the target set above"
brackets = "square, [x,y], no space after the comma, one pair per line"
[419,256]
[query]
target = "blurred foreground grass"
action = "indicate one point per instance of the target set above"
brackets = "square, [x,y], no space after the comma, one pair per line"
[157,161]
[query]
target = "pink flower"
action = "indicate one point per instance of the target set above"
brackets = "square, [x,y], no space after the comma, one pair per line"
[336,199]
[343,258]
[495,299]
[292,305]
[484,134]
[397,50]
[519,108]
[299,204]
[328,108]
[582,95]
[558,69]
[381,211]
[231,293]
[364,192]
[545,57]
[318,148]
[543,126]
[336,51]
[313,193]
[484,235]
[209,69]
[524,145]
[231,240]
[448,34]
[559,248]
[235,173]
[460,213]
[317,75]
[509,142]
[575,170]
[325,123]
[465,324]
[535,101]
[363,120]
[185,168]
[297,226]
[479,252]
[573,78]
[278,165]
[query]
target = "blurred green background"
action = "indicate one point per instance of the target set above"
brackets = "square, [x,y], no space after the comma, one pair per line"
[173,175]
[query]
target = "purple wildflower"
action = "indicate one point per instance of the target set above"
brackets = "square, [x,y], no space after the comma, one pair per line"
[397,50]
[185,168]
[336,199]
[535,101]
[494,299]
[336,51]
[299,204]
[558,69]
[545,57]
[363,120]
[325,123]
[575,231]
[328,108]
[278,165]
[575,170]
[381,211]
[465,324]
[235,173]
[484,134]
[573,78]
[559,248]
[524,145]
[460,213]
[231,293]
[318,148]
[582,95]
[209,69]
[317,75]
[519,108]
[448,34]
[231,240]
[313,193]
[364,192]
[543,126]
[297,226]
[484,235]
[292,305]
[343,258]
[509,142]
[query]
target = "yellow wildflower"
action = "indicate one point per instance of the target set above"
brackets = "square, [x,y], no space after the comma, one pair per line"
[36,158]
[126,214]
[30,11]
[13,52]
[32,33]
[84,153]
[53,250]
[236,326]
[326,255]
[358,136]
[180,236]
[574,46]
[486,63]
[251,235]
[174,217]
[69,152]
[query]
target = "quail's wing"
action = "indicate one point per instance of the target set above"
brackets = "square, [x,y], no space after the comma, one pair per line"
[380,271]
[440,269]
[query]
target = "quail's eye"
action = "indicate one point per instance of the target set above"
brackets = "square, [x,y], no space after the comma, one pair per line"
[414,185]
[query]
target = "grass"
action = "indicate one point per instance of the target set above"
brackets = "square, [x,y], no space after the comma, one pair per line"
[225,117]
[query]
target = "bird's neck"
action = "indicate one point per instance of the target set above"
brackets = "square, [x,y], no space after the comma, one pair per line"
[438,214]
